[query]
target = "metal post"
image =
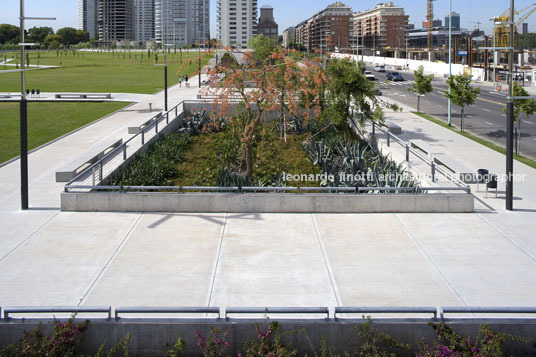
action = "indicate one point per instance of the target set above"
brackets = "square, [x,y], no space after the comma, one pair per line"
[450,61]
[199,59]
[388,138]
[156,126]
[373,128]
[124,152]
[23,120]
[510,118]
[433,171]
[494,61]
[143,136]
[407,152]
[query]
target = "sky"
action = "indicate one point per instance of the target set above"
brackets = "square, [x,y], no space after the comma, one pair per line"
[286,12]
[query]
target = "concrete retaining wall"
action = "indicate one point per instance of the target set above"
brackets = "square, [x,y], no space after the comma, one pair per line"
[151,337]
[266,202]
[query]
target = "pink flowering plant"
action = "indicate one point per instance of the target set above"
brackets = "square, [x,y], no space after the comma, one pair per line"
[451,344]
[214,344]
[268,343]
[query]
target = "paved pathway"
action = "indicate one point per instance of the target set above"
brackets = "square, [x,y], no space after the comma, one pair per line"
[51,96]
[48,257]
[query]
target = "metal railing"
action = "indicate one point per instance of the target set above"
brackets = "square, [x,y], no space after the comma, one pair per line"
[434,168]
[211,312]
[93,175]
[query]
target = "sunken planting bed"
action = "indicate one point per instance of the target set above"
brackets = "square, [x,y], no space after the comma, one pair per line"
[307,168]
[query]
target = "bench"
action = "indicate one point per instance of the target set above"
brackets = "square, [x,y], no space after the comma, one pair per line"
[83,95]
[425,148]
[142,124]
[69,171]
[463,173]
[393,128]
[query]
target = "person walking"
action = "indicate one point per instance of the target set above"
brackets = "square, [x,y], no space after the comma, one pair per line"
[186,81]
[180,81]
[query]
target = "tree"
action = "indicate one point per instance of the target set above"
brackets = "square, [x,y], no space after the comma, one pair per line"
[82,36]
[262,47]
[422,85]
[264,97]
[525,106]
[69,36]
[9,34]
[461,93]
[348,94]
[38,34]
[53,41]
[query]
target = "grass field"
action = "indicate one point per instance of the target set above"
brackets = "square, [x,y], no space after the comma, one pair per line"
[101,72]
[84,72]
[46,121]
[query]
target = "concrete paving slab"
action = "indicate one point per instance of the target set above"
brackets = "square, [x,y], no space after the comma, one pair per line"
[272,260]
[58,263]
[168,260]
[375,263]
[479,264]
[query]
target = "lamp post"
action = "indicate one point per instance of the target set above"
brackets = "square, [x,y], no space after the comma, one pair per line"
[450,61]
[510,117]
[199,62]
[24,111]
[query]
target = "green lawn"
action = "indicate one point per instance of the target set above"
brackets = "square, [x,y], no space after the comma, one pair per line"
[46,121]
[479,140]
[101,72]
[84,72]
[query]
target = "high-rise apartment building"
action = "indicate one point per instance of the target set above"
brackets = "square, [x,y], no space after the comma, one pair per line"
[145,21]
[87,16]
[267,25]
[115,21]
[384,26]
[180,22]
[455,21]
[289,37]
[237,22]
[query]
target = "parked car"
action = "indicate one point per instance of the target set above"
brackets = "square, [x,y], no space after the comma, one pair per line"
[379,69]
[394,76]
[378,92]
[369,75]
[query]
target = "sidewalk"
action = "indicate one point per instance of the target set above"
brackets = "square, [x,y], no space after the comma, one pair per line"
[48,257]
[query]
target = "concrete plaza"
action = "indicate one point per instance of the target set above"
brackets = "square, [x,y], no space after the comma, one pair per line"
[48,257]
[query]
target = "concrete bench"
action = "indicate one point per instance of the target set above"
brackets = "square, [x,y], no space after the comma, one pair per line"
[392,128]
[462,172]
[142,124]
[425,148]
[69,171]
[84,95]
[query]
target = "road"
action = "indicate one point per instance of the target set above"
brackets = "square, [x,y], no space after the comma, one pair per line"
[485,118]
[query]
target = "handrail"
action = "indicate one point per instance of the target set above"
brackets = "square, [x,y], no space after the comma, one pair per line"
[124,144]
[409,189]
[426,160]
[485,310]
[327,189]
[276,310]
[386,309]
[240,311]
[164,310]
[57,309]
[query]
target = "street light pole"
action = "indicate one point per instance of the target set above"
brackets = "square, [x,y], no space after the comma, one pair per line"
[199,61]
[23,120]
[24,111]
[450,61]
[510,118]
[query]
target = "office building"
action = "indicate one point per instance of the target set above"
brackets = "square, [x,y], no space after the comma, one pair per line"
[289,37]
[267,25]
[115,21]
[437,23]
[383,27]
[87,16]
[455,21]
[237,22]
[525,29]
[182,22]
[145,21]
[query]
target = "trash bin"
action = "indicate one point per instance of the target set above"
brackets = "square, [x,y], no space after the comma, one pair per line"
[492,183]
[481,177]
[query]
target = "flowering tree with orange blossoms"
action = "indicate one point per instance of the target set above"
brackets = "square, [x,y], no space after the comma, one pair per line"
[274,85]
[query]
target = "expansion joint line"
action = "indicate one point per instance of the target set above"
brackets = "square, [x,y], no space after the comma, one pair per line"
[327,263]
[114,254]
[216,267]
[436,268]
[30,236]
[505,236]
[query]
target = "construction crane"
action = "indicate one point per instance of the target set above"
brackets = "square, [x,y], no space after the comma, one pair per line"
[477,23]
[501,31]
[430,20]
